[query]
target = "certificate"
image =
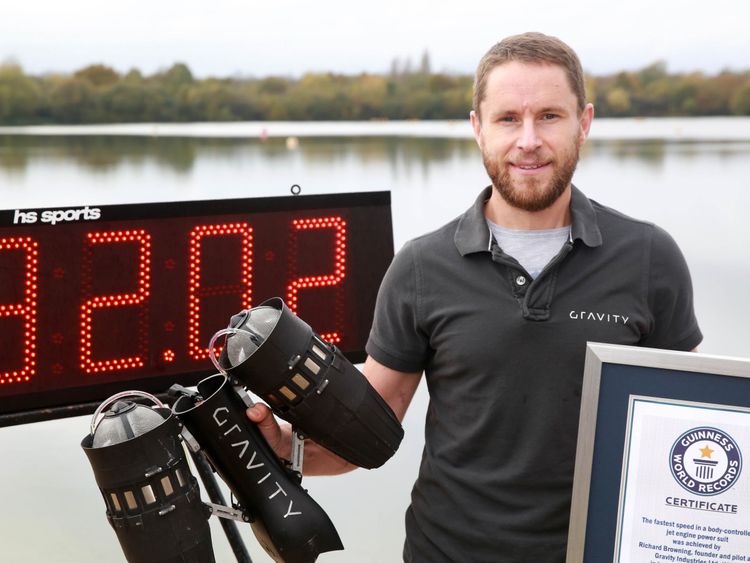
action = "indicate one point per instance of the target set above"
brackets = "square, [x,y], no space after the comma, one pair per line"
[660,469]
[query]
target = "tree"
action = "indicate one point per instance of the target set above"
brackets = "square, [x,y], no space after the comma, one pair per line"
[740,102]
[424,63]
[98,75]
[590,87]
[133,76]
[274,85]
[73,101]
[20,95]
[618,101]
[178,75]
[126,102]
[367,94]
[209,100]
[655,71]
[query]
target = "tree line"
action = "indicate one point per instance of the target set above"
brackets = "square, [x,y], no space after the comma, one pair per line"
[99,94]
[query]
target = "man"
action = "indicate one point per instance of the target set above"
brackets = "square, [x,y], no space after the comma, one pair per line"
[496,308]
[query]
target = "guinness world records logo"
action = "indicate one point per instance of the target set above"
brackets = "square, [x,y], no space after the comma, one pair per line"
[705,461]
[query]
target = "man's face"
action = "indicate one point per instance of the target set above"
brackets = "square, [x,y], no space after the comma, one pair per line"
[530,133]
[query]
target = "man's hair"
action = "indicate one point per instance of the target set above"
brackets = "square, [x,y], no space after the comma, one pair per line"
[534,48]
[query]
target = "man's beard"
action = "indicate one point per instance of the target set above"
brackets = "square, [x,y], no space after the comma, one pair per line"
[532,194]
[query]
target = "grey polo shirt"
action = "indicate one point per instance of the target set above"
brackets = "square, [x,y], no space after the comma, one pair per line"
[503,358]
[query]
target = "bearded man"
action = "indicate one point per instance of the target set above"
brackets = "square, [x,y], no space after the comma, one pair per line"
[496,307]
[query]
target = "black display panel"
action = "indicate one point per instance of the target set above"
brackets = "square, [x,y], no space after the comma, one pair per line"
[99,299]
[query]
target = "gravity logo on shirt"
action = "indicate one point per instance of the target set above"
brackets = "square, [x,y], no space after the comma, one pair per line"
[599,317]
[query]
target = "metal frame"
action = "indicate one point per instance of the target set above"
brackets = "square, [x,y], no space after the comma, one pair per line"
[668,366]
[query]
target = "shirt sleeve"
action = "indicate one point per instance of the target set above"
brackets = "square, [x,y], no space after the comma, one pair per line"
[670,297]
[396,339]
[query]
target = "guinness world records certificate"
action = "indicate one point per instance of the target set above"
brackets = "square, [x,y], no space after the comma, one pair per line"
[662,470]
[683,491]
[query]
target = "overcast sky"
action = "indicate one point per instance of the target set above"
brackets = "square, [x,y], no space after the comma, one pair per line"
[289,37]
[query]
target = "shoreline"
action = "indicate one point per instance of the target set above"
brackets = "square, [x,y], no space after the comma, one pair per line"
[665,129]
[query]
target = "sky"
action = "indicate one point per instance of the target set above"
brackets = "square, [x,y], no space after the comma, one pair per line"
[290,37]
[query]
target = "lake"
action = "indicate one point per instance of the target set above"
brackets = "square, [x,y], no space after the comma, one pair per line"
[690,176]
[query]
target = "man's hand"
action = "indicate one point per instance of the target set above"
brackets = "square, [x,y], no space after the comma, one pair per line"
[397,389]
[318,460]
[278,437]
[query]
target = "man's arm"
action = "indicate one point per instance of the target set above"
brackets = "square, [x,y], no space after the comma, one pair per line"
[670,297]
[397,389]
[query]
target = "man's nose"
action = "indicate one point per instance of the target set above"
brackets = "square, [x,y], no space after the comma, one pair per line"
[528,138]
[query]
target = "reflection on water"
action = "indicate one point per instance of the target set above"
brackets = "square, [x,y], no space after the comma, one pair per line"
[106,153]
[653,153]
[649,153]
[98,154]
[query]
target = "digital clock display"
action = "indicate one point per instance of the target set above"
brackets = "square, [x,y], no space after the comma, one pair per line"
[98,299]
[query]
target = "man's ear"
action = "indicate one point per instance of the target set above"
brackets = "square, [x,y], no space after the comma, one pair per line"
[476,127]
[587,116]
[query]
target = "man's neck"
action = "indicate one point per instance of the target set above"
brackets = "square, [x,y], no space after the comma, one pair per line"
[555,216]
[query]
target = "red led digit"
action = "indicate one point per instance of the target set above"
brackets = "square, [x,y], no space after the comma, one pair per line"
[197,290]
[339,264]
[138,298]
[26,309]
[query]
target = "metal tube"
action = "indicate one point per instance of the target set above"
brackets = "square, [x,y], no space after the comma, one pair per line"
[214,493]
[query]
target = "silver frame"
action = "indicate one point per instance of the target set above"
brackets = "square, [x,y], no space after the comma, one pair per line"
[596,355]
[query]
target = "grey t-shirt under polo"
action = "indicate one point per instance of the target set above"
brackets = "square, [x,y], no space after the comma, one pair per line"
[503,360]
[533,249]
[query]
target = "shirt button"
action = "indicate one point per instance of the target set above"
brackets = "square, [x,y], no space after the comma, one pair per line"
[521,280]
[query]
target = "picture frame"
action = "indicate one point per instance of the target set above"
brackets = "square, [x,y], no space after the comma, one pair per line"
[632,472]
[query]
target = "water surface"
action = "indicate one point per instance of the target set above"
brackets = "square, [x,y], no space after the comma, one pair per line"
[697,190]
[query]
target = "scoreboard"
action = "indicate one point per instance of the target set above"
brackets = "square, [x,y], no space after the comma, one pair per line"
[99,299]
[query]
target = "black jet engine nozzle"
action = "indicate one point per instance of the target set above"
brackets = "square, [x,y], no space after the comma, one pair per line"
[309,383]
[287,522]
[152,499]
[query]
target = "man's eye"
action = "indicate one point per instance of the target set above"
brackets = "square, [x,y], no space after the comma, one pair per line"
[507,119]
[548,116]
